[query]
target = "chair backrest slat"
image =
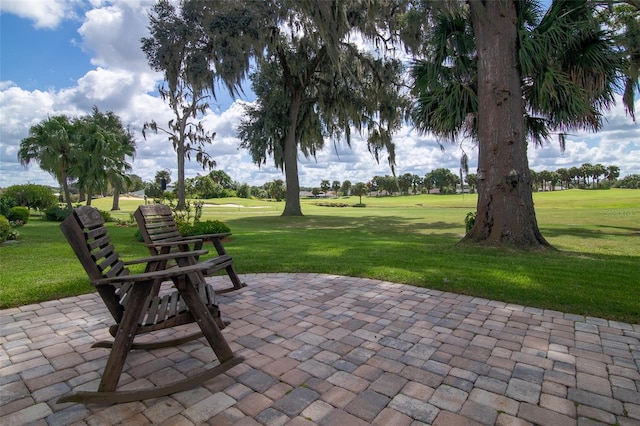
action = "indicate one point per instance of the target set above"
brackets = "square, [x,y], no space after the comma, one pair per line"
[111,266]
[156,223]
[87,235]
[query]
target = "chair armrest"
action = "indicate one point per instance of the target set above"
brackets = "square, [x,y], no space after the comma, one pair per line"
[171,243]
[155,275]
[207,237]
[167,256]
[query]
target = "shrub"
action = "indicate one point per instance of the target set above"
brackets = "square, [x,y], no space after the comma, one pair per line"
[332,204]
[37,197]
[469,221]
[200,228]
[56,214]
[18,213]
[5,229]
[6,202]
[106,216]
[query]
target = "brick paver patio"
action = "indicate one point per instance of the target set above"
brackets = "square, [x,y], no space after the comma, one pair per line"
[332,350]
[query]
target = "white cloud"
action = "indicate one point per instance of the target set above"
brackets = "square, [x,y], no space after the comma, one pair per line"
[618,143]
[44,13]
[112,34]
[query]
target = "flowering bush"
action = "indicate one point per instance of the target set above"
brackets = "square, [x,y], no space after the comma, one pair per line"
[18,213]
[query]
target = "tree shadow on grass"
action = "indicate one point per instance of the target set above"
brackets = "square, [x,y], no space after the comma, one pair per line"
[405,250]
[590,232]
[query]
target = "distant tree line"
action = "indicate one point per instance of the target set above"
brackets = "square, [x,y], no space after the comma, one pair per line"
[443,181]
[219,184]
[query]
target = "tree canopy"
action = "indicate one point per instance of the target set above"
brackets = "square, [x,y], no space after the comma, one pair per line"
[174,48]
[312,80]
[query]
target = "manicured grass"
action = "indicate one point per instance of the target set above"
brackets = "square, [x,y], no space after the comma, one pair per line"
[411,239]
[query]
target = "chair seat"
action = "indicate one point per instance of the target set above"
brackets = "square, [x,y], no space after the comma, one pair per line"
[169,309]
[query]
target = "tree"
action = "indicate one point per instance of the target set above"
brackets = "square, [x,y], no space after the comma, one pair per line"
[404,183]
[498,73]
[612,173]
[416,183]
[276,189]
[174,49]
[443,179]
[335,185]
[360,189]
[629,182]
[105,146]
[312,81]
[50,145]
[221,177]
[472,181]
[575,174]
[135,183]
[324,186]
[597,171]
[543,177]
[428,182]
[386,183]
[346,187]
[565,178]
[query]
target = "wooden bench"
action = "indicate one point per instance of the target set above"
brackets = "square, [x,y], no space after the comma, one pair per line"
[161,236]
[137,307]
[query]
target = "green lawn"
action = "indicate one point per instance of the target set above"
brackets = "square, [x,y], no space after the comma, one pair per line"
[411,239]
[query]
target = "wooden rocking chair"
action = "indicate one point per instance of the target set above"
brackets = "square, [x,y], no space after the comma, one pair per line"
[137,308]
[161,235]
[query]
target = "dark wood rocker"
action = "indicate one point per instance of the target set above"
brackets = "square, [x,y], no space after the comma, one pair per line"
[137,308]
[161,236]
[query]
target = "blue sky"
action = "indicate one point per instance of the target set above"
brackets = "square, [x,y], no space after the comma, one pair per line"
[54,58]
[64,56]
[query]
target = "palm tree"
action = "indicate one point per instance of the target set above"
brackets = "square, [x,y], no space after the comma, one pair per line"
[50,144]
[126,147]
[491,60]
[105,144]
[121,145]
[597,171]
[565,178]
[586,173]
[612,173]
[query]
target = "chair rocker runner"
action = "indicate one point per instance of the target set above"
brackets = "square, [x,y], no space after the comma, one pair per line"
[161,235]
[137,308]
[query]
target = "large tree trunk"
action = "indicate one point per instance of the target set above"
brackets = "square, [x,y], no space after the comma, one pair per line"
[505,214]
[292,203]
